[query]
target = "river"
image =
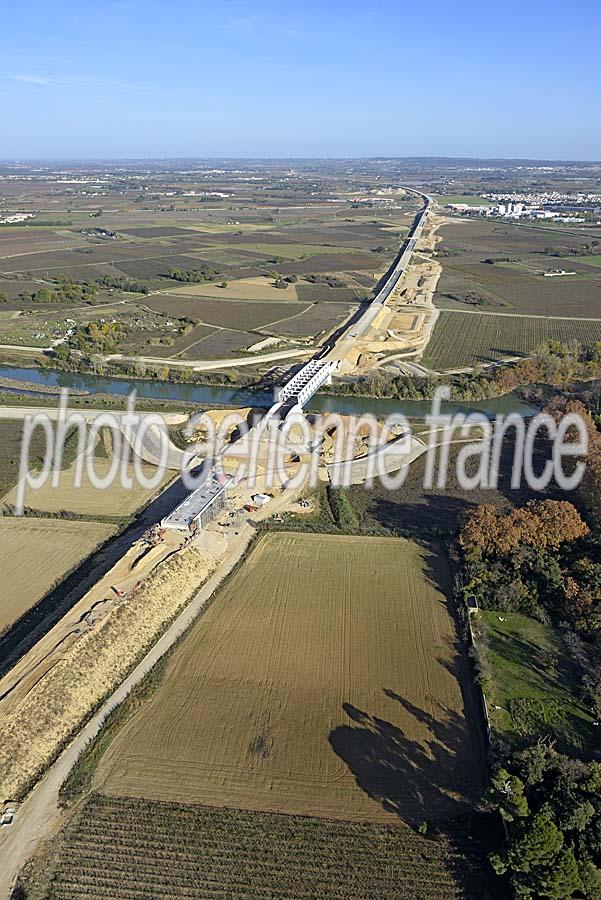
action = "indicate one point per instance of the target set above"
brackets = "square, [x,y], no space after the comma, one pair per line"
[217,395]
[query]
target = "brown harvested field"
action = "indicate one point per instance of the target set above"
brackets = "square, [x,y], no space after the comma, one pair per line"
[511,289]
[229,257]
[479,237]
[119,252]
[220,344]
[350,234]
[258,288]
[159,264]
[321,293]
[41,713]
[24,241]
[36,553]
[332,262]
[324,679]
[320,317]
[515,281]
[157,231]
[225,313]
[88,500]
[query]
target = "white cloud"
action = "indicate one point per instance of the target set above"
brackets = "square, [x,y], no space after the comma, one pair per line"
[35,79]
[92,84]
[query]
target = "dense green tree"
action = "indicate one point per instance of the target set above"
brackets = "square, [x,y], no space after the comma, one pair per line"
[561,880]
[534,762]
[506,794]
[590,877]
[535,845]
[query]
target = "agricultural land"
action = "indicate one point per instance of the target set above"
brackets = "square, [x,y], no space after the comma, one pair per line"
[133,848]
[497,298]
[340,696]
[56,546]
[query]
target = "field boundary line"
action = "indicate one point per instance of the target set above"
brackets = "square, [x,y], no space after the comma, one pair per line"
[486,312]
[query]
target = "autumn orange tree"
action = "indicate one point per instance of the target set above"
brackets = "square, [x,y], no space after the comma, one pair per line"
[541,524]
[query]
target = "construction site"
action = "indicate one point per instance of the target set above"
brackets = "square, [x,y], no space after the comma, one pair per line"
[182,555]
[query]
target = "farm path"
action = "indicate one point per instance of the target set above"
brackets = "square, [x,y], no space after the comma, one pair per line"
[201,365]
[490,312]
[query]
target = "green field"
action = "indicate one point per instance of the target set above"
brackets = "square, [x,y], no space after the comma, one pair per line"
[462,339]
[534,685]
[470,199]
[590,260]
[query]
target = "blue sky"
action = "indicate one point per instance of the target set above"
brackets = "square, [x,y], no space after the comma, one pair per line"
[134,79]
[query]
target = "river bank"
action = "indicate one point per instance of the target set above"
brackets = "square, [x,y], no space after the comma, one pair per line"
[167,394]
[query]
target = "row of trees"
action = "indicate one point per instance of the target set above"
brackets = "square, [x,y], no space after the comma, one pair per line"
[66,290]
[202,273]
[554,363]
[590,249]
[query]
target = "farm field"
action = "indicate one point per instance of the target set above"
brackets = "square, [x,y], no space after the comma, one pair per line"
[294,251]
[220,344]
[249,232]
[168,346]
[115,500]
[41,712]
[501,265]
[128,848]
[338,696]
[329,261]
[517,290]
[254,288]
[10,452]
[318,318]
[588,260]
[322,293]
[225,313]
[534,686]
[466,339]
[470,199]
[57,546]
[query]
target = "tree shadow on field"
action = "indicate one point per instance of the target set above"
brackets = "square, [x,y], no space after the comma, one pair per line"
[432,779]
